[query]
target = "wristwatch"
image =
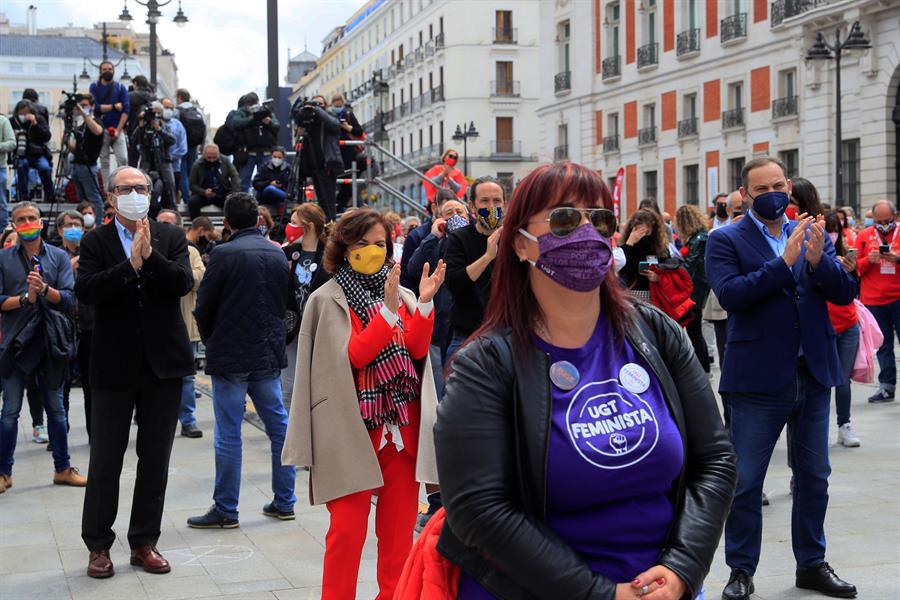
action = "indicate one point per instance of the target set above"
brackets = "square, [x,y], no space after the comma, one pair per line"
[23,300]
[46,289]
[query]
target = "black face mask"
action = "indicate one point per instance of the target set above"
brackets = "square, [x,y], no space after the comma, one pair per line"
[107,77]
[721,211]
[212,163]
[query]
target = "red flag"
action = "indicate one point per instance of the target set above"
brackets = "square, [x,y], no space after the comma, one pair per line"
[617,191]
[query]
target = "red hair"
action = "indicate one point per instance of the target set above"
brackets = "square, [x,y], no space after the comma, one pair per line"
[513,305]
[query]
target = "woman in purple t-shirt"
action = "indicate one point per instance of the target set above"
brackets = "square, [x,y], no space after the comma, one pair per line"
[580,450]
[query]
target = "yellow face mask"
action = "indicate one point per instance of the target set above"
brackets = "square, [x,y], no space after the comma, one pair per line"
[367,260]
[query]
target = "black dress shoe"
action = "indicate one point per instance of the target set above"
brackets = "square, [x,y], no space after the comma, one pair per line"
[191,431]
[824,580]
[740,586]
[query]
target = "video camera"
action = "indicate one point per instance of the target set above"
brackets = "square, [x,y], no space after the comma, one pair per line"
[262,110]
[67,106]
[304,113]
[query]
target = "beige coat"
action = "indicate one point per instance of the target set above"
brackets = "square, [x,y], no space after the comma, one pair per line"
[190,301]
[325,429]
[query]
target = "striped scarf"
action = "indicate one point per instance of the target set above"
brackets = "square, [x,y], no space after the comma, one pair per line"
[387,385]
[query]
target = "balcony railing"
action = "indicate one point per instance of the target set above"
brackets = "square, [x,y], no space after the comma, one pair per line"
[386,117]
[647,135]
[429,48]
[408,61]
[733,118]
[437,94]
[415,105]
[784,107]
[734,27]
[563,81]
[611,143]
[561,152]
[506,35]
[506,147]
[648,55]
[776,12]
[439,41]
[420,54]
[505,88]
[688,42]
[687,127]
[611,67]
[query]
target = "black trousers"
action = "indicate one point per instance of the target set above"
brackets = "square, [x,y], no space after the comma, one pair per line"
[196,203]
[695,333]
[326,193]
[84,369]
[157,402]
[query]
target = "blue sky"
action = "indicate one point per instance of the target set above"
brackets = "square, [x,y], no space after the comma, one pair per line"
[221,52]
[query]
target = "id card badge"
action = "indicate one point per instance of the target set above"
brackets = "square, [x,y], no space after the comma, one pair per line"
[888,268]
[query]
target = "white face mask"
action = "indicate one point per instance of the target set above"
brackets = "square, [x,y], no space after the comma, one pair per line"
[167,114]
[619,258]
[133,206]
[277,162]
[89,220]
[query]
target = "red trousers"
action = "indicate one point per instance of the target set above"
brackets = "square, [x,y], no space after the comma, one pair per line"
[395,520]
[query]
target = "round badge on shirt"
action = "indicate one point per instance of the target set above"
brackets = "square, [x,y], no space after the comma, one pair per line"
[634,378]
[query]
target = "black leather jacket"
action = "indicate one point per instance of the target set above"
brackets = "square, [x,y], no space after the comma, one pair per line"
[492,436]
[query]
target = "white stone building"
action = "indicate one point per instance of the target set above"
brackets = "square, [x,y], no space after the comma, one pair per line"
[681,93]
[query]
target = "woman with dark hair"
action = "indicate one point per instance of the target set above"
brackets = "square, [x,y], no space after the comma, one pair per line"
[806,197]
[692,229]
[364,401]
[845,321]
[645,236]
[580,450]
[846,230]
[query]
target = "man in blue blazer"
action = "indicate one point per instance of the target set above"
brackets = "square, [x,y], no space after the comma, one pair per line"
[773,277]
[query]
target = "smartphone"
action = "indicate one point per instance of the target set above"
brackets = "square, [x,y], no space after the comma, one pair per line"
[643,266]
[850,253]
[36,262]
[884,249]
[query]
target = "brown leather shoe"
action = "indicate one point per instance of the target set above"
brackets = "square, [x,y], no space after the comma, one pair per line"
[100,565]
[69,476]
[5,482]
[149,558]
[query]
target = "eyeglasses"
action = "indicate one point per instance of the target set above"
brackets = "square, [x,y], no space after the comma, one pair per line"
[127,189]
[566,219]
[453,156]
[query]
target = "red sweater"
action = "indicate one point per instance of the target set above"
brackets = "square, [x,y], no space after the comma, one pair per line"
[365,344]
[876,288]
[842,317]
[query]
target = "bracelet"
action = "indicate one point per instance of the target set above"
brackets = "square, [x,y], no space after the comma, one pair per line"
[23,300]
[45,290]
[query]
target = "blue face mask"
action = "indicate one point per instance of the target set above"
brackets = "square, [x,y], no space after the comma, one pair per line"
[73,234]
[771,205]
[869,222]
[456,222]
[338,110]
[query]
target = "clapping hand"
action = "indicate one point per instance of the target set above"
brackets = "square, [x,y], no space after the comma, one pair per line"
[392,289]
[816,242]
[795,243]
[140,244]
[429,285]
[35,284]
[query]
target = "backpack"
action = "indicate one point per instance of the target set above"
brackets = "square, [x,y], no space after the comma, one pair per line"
[192,119]
[226,139]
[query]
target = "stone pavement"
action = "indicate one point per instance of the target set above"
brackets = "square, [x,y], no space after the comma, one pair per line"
[42,555]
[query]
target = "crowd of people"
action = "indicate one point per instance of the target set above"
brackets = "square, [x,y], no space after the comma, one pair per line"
[543,369]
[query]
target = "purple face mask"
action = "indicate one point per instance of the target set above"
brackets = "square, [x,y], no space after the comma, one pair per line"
[578,261]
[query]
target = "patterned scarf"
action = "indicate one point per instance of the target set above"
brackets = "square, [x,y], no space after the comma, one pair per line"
[388,384]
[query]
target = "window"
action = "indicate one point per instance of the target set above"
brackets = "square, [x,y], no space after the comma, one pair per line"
[430,31]
[692,184]
[791,161]
[421,89]
[689,105]
[735,166]
[421,139]
[611,183]
[420,39]
[442,133]
[402,146]
[787,83]
[850,168]
[736,95]
[612,124]
[504,135]
[612,17]
[504,31]
[562,135]
[440,24]
[16,67]
[507,181]
[562,32]
[736,6]
[650,189]
[650,115]
[431,135]
[41,68]
[690,15]
[650,22]
[504,84]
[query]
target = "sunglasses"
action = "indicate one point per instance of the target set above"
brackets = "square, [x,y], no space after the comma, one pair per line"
[452,156]
[566,219]
[127,189]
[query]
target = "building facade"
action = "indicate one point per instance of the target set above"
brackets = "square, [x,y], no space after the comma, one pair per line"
[414,70]
[682,93]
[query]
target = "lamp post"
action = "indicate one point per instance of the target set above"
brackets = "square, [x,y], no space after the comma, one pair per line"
[463,136]
[823,50]
[153,16]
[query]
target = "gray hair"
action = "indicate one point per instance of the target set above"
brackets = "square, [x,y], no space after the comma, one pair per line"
[111,184]
[886,203]
[72,214]
[216,146]
[22,206]
[178,219]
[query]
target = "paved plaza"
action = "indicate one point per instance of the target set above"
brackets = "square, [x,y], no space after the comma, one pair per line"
[42,555]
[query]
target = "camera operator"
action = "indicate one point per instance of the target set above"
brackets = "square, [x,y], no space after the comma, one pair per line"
[213,178]
[139,97]
[195,125]
[258,126]
[85,142]
[271,180]
[7,148]
[39,109]
[113,105]
[180,148]
[350,130]
[32,135]
[155,142]
[320,157]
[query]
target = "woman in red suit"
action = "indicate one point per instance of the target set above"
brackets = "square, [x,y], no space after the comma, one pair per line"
[446,175]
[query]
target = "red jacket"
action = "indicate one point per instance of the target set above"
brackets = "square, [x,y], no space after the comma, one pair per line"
[436,173]
[877,288]
[427,575]
[672,293]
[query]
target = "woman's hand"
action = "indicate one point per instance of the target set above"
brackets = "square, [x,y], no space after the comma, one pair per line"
[392,289]
[662,584]
[428,286]
[849,262]
[637,234]
[653,276]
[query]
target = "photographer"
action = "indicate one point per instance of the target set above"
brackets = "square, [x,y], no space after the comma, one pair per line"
[195,126]
[138,99]
[179,148]
[271,180]
[350,130]
[39,109]
[84,143]
[213,178]
[113,105]
[258,126]
[7,146]
[320,156]
[32,135]
[155,141]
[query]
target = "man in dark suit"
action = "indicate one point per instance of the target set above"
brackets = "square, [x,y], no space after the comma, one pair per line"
[134,272]
[774,276]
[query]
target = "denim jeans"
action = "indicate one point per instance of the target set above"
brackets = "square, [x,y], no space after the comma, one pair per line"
[757,419]
[437,368]
[229,401]
[271,196]
[184,182]
[45,172]
[13,392]
[287,375]
[85,179]
[456,342]
[118,146]
[254,161]
[888,317]
[847,345]
[4,199]
[188,396]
